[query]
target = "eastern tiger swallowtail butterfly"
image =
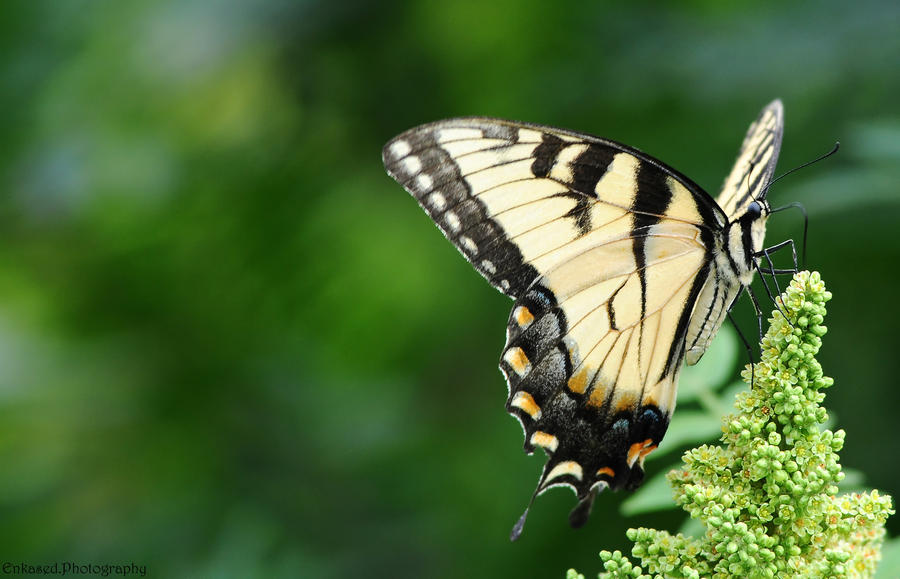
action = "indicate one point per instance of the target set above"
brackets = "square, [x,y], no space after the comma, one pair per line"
[620,268]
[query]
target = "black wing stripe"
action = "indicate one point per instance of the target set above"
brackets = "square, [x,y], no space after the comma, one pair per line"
[653,197]
[581,185]
[589,167]
[467,209]
[546,153]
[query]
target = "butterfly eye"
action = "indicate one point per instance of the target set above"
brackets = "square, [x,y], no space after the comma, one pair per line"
[754,211]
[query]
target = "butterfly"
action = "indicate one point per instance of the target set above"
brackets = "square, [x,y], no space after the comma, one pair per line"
[621,269]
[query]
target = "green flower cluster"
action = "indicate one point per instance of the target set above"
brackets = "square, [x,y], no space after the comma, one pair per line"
[768,494]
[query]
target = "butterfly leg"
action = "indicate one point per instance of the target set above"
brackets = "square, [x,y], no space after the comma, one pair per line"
[769,293]
[766,283]
[746,346]
[759,312]
[769,250]
[802,209]
[766,252]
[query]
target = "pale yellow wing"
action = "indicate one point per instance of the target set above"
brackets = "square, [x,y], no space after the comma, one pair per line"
[755,163]
[518,199]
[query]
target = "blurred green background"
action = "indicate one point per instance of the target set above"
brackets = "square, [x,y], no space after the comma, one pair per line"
[230,345]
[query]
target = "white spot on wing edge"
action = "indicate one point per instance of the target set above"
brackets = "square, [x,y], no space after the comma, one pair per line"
[545,440]
[569,467]
[412,164]
[517,360]
[504,284]
[400,148]
[452,221]
[468,244]
[600,485]
[438,201]
[524,401]
[424,181]
[488,266]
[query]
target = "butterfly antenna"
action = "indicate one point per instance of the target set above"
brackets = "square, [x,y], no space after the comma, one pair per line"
[834,149]
[837,146]
[747,178]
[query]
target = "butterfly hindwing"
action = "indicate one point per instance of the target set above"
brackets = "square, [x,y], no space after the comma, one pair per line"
[592,364]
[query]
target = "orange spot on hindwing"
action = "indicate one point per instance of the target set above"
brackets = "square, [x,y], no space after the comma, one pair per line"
[598,395]
[545,440]
[517,360]
[578,381]
[523,316]
[525,402]
[639,450]
[646,450]
[607,471]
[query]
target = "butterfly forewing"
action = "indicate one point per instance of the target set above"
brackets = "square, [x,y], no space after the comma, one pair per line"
[755,163]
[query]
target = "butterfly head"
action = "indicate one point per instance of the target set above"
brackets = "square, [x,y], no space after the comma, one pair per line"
[745,237]
[755,219]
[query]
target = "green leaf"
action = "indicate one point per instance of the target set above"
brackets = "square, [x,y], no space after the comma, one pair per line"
[691,427]
[654,495]
[854,481]
[716,366]
[889,568]
[692,528]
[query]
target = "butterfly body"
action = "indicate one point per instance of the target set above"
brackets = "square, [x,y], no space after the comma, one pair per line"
[620,268]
